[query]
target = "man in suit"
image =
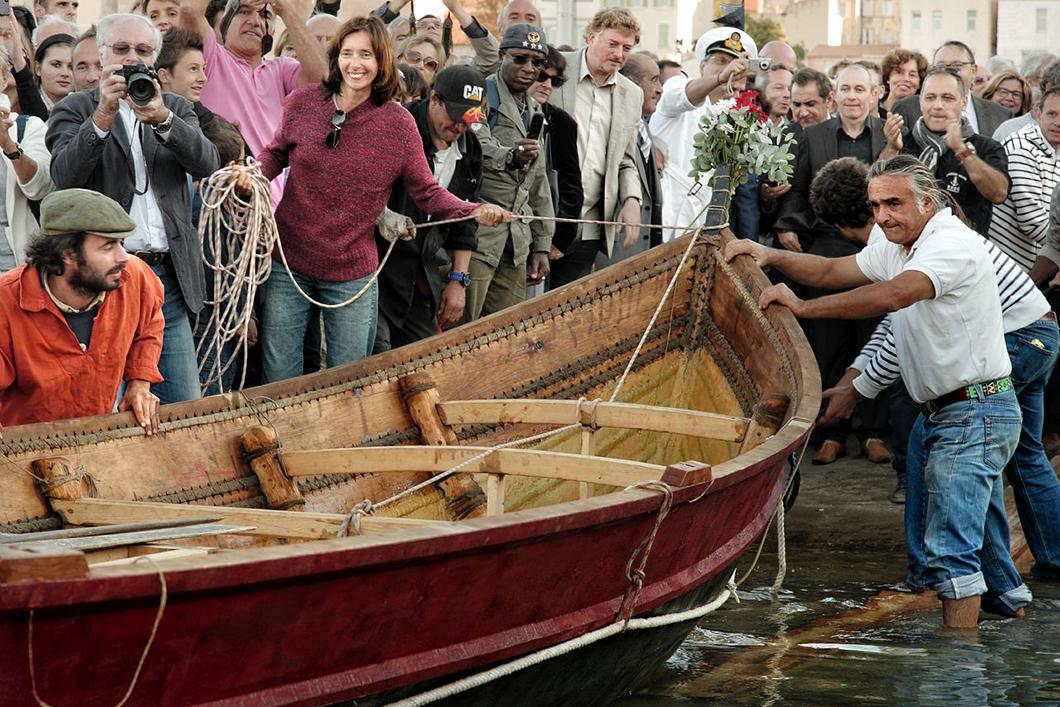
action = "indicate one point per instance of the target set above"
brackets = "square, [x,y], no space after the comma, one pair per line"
[984,116]
[855,132]
[607,107]
[644,71]
[141,155]
[416,299]
[515,178]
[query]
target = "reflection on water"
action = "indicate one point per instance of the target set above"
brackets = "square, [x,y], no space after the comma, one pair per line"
[817,647]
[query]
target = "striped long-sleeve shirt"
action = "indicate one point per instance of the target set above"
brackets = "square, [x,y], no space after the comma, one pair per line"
[1051,248]
[1021,221]
[1021,304]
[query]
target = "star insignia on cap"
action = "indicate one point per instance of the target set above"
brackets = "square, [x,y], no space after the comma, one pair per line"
[734,42]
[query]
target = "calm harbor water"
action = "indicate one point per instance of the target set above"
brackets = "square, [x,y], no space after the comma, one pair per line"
[817,646]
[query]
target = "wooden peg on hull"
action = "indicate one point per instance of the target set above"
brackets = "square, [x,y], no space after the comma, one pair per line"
[766,419]
[60,481]
[463,495]
[261,451]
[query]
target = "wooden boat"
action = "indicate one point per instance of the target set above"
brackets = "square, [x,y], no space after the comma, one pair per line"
[225,561]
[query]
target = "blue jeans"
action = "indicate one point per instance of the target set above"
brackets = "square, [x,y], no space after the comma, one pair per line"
[208,378]
[1034,484]
[177,363]
[349,331]
[961,450]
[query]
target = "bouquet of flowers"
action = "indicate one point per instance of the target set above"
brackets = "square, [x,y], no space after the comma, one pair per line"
[736,132]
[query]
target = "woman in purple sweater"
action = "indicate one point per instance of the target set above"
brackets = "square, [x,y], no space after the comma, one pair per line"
[346,143]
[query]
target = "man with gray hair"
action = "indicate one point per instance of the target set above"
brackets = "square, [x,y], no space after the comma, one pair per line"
[937,277]
[139,148]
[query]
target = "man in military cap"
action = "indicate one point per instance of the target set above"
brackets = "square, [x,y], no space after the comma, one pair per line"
[513,177]
[723,54]
[79,317]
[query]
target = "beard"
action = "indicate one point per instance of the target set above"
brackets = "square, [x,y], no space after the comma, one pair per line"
[91,282]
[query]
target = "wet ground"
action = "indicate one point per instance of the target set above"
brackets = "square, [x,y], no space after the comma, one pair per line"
[833,638]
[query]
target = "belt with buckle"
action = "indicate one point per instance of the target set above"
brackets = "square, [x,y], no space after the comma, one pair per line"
[152,257]
[968,392]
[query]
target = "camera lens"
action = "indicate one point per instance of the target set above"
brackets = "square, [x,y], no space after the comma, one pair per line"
[141,88]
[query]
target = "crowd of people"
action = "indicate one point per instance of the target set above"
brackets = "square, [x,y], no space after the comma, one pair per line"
[925,190]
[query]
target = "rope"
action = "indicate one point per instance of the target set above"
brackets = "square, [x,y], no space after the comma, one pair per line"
[479,679]
[163,597]
[636,576]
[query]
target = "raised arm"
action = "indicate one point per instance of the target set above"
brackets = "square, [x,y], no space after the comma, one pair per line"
[310,53]
[193,17]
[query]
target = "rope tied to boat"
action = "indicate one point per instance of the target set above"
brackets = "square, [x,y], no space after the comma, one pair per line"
[638,561]
[162,601]
[80,475]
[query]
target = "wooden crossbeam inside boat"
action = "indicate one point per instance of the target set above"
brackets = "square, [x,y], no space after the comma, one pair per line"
[516,462]
[288,524]
[622,415]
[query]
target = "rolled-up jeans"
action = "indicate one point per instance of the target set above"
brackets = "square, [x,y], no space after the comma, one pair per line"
[348,331]
[965,447]
[1033,352]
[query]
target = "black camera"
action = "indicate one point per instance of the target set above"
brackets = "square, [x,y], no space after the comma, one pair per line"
[140,82]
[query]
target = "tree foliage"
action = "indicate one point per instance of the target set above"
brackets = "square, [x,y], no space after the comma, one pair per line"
[763,29]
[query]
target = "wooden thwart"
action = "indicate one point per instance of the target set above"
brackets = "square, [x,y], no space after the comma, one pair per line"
[102,542]
[515,462]
[621,415]
[289,524]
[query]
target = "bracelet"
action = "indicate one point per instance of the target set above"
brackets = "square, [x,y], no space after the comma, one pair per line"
[16,154]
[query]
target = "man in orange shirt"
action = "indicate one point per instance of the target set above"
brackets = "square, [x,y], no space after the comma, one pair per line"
[79,317]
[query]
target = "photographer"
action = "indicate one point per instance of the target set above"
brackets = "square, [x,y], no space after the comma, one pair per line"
[140,153]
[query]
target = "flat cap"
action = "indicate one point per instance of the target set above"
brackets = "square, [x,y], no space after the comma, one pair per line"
[76,210]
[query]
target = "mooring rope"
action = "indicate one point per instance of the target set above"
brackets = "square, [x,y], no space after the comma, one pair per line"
[163,598]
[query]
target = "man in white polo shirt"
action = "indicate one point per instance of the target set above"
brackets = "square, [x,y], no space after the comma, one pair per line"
[935,274]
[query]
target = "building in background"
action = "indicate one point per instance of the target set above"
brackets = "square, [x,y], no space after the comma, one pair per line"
[1027,26]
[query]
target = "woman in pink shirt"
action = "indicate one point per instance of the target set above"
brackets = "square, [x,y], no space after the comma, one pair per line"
[346,143]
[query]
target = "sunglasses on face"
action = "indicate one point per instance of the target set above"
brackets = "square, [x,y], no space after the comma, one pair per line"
[553,79]
[521,59]
[415,57]
[337,119]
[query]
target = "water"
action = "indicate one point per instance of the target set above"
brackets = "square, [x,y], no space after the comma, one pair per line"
[819,646]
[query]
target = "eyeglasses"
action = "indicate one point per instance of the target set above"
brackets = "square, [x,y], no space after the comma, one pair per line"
[144,51]
[337,119]
[414,57]
[535,61]
[1005,93]
[955,65]
[553,79]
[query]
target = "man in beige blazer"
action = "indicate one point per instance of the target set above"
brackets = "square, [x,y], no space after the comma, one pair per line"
[607,107]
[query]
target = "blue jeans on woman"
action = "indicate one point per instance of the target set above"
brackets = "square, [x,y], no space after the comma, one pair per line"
[1033,351]
[349,331]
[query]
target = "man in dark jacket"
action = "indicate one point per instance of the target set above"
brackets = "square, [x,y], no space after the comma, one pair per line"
[422,287]
[141,155]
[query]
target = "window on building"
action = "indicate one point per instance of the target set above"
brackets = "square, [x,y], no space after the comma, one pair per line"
[970,21]
[664,36]
[664,3]
[916,25]
[1041,17]
[936,20]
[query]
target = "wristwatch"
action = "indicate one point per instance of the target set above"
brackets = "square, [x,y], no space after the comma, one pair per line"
[464,278]
[165,124]
[16,154]
[967,152]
